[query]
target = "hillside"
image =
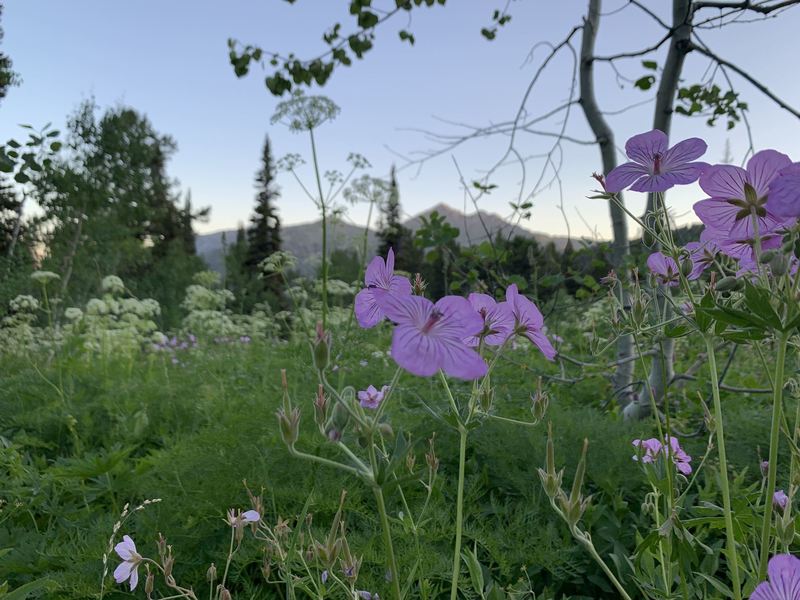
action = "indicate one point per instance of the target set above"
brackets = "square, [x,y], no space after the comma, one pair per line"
[304,240]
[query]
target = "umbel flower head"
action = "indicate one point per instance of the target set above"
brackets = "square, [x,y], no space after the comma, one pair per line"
[429,337]
[783,580]
[654,167]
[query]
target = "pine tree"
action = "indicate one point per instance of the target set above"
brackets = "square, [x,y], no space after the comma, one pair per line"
[395,235]
[264,234]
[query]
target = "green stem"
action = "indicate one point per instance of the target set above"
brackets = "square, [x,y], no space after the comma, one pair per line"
[772,472]
[733,560]
[324,233]
[387,532]
[462,455]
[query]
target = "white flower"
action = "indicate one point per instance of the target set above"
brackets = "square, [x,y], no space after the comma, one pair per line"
[129,568]
[238,519]
[44,277]
[73,314]
[24,304]
[112,284]
[95,306]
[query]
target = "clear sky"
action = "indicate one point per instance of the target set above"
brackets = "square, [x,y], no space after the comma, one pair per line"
[169,60]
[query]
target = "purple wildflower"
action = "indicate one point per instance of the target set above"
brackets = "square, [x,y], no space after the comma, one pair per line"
[371,397]
[665,268]
[784,580]
[430,337]
[737,194]
[780,500]
[324,576]
[237,518]
[244,339]
[365,595]
[702,255]
[380,282]
[654,167]
[784,192]
[764,468]
[498,320]
[128,569]
[652,448]
[529,321]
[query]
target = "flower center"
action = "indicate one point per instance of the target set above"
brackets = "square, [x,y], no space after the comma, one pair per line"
[435,317]
[657,164]
[751,204]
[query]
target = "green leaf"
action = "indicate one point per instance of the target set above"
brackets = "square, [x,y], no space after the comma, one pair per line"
[645,83]
[25,590]
[470,557]
[650,64]
[367,19]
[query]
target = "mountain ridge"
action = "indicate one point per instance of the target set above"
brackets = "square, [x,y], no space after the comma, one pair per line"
[304,239]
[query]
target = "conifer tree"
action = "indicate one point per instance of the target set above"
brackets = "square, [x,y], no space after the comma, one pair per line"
[395,235]
[264,234]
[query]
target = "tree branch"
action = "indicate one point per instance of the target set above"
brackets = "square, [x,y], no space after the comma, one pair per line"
[744,74]
[760,7]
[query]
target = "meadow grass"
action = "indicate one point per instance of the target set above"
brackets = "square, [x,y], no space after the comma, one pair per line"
[84,435]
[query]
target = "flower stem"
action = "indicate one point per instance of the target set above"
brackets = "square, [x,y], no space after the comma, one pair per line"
[462,455]
[733,561]
[387,532]
[324,233]
[777,405]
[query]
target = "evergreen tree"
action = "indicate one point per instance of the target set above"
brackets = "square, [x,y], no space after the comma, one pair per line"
[395,235]
[238,277]
[264,234]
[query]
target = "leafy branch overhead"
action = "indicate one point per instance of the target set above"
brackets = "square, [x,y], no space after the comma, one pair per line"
[290,71]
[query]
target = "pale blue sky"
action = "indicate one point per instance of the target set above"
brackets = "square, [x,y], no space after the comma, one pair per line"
[169,60]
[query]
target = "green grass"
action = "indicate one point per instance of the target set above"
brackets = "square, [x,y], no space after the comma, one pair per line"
[82,436]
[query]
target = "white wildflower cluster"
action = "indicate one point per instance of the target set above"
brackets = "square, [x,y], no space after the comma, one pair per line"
[44,277]
[113,285]
[210,317]
[113,323]
[277,262]
[18,333]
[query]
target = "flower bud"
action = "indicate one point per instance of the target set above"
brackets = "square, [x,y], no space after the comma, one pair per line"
[551,481]
[211,574]
[266,569]
[386,430]
[430,455]
[225,595]
[764,468]
[167,565]
[419,285]
[337,422]
[727,284]
[321,349]
[411,461]
[148,583]
[779,265]
[687,265]
[539,403]
[767,256]
[486,398]
[289,425]
[321,408]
